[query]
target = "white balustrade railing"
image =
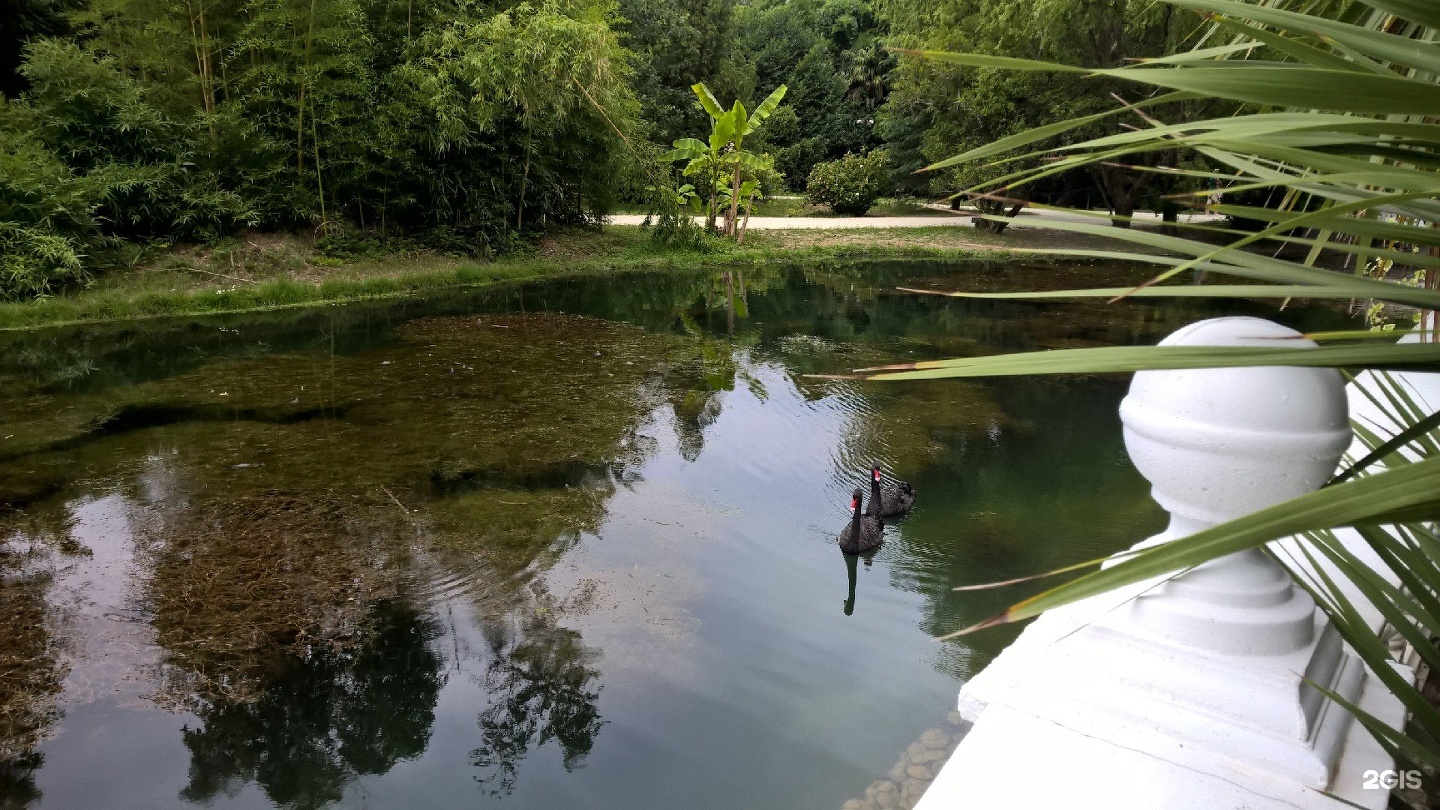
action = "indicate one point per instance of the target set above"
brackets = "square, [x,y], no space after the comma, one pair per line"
[1196,691]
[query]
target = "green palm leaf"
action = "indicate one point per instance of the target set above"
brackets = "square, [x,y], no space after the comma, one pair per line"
[1115,359]
[1409,493]
[1344,129]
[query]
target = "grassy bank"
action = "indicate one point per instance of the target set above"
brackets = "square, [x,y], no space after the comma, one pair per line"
[266,272]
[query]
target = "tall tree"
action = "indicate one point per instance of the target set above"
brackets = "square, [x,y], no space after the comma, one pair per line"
[936,110]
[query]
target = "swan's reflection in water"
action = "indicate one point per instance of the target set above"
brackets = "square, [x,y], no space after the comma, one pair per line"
[852,565]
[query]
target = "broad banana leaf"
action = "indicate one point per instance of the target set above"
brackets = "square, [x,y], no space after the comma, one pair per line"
[766,107]
[686,149]
[739,120]
[707,100]
[722,130]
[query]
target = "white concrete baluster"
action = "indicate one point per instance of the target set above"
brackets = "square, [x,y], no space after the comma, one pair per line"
[1218,444]
[1192,691]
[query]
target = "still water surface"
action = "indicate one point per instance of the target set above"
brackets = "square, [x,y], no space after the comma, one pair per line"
[564,544]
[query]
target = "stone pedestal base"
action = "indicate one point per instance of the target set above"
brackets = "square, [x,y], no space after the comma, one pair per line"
[1012,758]
[1113,717]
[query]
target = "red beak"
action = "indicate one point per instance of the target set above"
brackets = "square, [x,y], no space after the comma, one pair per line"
[853,503]
[875,475]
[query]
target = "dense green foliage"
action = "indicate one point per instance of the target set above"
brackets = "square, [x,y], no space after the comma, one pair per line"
[851,184]
[455,121]
[471,125]
[937,109]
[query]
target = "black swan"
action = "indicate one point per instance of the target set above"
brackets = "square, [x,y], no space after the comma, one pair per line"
[863,532]
[889,500]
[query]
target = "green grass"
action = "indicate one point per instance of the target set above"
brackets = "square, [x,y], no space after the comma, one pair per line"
[205,281]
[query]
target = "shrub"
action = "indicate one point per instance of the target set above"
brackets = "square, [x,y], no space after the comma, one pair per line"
[34,262]
[671,220]
[799,159]
[851,184]
[46,214]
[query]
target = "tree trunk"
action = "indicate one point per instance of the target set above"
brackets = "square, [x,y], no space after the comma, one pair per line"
[300,94]
[749,205]
[319,182]
[1122,189]
[1122,209]
[711,203]
[729,304]
[204,71]
[731,220]
[989,207]
[1169,217]
[524,176]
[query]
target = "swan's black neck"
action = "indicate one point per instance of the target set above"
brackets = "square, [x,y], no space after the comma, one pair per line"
[875,494]
[855,524]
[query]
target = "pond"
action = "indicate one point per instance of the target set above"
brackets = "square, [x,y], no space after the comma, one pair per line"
[560,544]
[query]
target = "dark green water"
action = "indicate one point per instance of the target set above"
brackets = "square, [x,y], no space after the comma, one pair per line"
[556,545]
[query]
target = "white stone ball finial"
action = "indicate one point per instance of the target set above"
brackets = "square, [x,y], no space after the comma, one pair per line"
[1217,444]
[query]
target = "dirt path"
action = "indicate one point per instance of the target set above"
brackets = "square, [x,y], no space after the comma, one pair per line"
[1027,219]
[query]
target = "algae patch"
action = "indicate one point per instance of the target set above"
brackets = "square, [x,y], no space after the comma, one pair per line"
[289,494]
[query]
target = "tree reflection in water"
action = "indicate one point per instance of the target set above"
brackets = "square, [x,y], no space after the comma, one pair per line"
[17,781]
[32,661]
[331,718]
[542,687]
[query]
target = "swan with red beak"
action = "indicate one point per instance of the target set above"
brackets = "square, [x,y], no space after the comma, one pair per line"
[888,500]
[864,532]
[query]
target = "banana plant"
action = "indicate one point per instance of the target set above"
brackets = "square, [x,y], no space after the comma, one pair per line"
[743,125]
[722,129]
[726,147]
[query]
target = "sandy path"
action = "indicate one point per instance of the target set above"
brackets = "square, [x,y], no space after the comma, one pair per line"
[1027,219]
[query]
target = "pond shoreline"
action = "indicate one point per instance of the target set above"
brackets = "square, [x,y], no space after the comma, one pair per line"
[261,273]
